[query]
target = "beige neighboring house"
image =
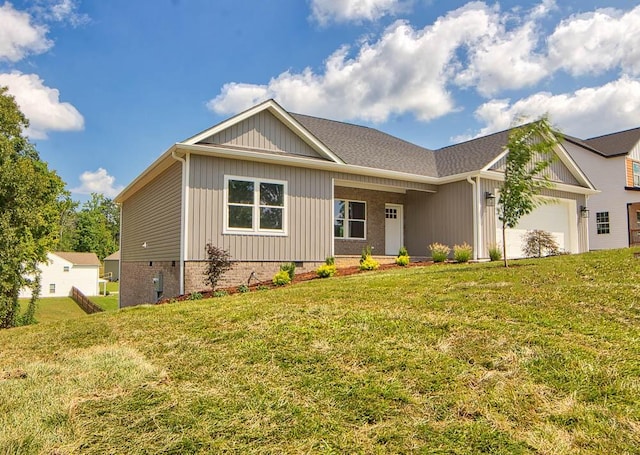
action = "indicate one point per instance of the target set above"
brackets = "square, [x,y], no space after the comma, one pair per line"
[65,270]
[270,186]
[112,267]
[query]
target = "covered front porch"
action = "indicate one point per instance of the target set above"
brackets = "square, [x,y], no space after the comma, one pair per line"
[382,217]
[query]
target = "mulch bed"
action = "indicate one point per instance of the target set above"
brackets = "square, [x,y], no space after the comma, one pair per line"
[298,278]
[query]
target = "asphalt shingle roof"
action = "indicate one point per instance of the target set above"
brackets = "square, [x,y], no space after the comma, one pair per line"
[363,146]
[614,144]
[79,258]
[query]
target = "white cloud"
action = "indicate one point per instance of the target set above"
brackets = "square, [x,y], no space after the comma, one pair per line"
[61,11]
[97,182]
[19,37]
[406,70]
[41,105]
[325,11]
[585,113]
[595,42]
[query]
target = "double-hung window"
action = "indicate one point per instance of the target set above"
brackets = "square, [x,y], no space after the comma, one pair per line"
[349,219]
[255,206]
[636,173]
[602,223]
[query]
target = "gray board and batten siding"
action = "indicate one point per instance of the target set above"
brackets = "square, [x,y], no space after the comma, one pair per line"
[152,217]
[265,132]
[444,217]
[557,172]
[309,207]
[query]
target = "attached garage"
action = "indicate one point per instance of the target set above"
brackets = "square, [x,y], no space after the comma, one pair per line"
[557,216]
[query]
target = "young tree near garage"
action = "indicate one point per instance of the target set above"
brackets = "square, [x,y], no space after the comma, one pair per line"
[30,196]
[531,152]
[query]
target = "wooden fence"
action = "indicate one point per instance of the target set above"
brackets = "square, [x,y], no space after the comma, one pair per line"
[83,302]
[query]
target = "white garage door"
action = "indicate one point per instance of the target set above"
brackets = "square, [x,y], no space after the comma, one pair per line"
[558,217]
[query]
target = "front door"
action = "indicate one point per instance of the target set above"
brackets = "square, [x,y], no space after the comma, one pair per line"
[392,229]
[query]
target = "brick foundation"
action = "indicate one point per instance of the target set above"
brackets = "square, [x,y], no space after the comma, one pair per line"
[136,281]
[264,271]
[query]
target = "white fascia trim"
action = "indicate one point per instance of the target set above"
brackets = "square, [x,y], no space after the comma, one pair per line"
[162,159]
[495,160]
[308,163]
[573,166]
[281,115]
[494,175]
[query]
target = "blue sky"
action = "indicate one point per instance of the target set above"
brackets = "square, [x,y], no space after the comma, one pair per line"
[110,85]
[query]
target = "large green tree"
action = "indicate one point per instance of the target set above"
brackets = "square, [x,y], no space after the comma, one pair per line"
[30,195]
[531,152]
[97,226]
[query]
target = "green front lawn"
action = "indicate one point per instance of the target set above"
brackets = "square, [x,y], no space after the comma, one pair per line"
[54,309]
[543,357]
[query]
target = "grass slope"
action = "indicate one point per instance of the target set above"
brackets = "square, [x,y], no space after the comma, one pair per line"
[542,357]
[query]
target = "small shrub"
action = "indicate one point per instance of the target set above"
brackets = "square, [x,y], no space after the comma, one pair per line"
[220,293]
[326,270]
[402,260]
[539,242]
[195,296]
[262,287]
[495,253]
[439,252]
[281,278]
[218,262]
[369,263]
[290,268]
[243,288]
[330,260]
[462,253]
[366,253]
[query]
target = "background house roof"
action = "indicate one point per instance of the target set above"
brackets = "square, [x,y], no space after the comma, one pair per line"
[79,258]
[113,257]
[614,144]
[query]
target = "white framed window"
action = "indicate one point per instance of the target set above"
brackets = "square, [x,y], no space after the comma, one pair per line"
[602,223]
[636,173]
[349,219]
[66,268]
[52,288]
[254,206]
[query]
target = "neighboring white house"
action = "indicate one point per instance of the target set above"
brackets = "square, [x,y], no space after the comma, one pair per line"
[612,163]
[66,270]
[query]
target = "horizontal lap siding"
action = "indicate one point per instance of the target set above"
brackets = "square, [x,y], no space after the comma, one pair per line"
[265,132]
[309,206]
[152,216]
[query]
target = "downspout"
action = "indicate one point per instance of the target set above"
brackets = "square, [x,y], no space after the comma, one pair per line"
[475,216]
[120,261]
[183,214]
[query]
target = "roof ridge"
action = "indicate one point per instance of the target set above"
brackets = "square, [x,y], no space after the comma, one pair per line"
[365,127]
[611,134]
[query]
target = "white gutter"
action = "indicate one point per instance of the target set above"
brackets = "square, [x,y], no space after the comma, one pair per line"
[476,209]
[183,214]
[120,261]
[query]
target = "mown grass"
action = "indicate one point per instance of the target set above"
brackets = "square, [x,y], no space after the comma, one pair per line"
[50,309]
[543,357]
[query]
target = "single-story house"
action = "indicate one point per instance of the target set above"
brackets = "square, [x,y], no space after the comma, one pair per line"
[64,270]
[612,163]
[112,267]
[270,186]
